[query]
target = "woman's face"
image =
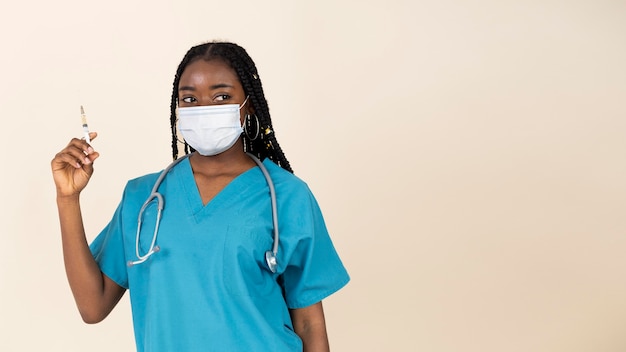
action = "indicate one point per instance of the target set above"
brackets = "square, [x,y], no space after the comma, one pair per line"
[210,83]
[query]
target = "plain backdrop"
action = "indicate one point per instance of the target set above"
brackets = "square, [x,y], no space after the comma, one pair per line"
[469,158]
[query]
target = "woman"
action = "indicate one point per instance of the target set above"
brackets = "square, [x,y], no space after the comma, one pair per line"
[197,271]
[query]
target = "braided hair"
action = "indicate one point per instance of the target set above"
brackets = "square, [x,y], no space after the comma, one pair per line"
[266,145]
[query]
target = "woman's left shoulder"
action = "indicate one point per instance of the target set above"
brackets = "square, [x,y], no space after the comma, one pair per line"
[284,179]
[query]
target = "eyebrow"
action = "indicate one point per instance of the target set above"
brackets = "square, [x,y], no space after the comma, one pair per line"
[215,86]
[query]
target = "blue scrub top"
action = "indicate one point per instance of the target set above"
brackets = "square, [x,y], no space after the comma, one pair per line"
[209,288]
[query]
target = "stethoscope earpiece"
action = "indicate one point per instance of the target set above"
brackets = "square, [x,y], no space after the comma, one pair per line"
[144,257]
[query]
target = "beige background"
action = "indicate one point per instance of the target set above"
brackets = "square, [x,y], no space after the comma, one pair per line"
[469,158]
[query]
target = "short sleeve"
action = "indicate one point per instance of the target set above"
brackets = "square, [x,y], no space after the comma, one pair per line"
[314,270]
[108,250]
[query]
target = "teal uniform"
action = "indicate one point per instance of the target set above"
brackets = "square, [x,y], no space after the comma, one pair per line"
[209,287]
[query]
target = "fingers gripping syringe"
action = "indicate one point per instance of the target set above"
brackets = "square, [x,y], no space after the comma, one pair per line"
[83,117]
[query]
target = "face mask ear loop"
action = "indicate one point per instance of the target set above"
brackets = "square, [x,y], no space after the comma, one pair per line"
[175,127]
[245,118]
[175,131]
[244,102]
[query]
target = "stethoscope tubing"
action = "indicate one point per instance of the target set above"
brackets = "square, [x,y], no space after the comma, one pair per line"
[270,255]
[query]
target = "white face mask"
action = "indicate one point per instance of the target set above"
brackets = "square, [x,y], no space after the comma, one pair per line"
[212,129]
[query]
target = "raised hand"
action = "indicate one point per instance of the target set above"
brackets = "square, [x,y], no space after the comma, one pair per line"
[72,167]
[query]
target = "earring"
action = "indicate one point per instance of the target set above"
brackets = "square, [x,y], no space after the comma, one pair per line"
[248,126]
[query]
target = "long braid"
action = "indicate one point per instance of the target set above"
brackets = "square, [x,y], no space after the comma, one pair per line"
[266,146]
[191,54]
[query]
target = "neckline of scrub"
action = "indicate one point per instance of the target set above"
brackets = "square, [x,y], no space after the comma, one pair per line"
[229,194]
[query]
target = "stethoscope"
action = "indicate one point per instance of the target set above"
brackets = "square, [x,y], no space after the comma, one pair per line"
[270,255]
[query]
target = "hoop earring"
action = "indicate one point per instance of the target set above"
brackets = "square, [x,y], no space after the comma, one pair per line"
[247,126]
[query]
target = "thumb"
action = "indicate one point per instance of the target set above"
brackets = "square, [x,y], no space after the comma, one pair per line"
[89,160]
[93,135]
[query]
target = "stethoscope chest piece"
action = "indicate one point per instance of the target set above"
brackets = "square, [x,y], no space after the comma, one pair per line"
[272,263]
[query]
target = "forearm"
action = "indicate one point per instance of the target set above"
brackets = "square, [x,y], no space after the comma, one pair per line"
[309,323]
[84,276]
[314,338]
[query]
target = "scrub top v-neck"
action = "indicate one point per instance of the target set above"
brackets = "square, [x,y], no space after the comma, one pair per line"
[225,196]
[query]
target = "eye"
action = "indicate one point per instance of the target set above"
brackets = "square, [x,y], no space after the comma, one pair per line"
[188,100]
[222,97]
